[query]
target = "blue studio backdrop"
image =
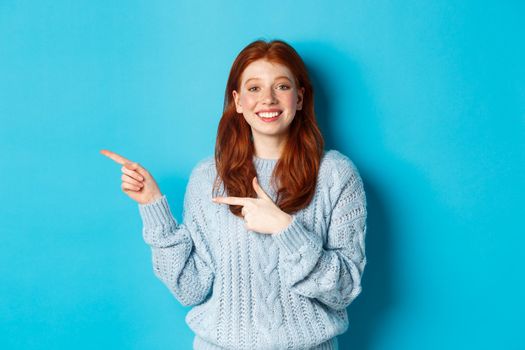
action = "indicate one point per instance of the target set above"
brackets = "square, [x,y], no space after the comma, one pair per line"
[426,97]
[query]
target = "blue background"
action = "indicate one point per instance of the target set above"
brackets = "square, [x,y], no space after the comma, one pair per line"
[426,97]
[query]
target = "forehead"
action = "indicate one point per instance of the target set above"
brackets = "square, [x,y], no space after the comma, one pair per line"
[264,69]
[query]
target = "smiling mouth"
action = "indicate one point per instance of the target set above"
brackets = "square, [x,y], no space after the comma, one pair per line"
[269,116]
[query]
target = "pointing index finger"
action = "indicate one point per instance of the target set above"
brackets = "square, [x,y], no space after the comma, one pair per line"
[231,200]
[117,158]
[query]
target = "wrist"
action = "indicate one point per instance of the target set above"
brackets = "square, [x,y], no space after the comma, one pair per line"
[285,222]
[154,198]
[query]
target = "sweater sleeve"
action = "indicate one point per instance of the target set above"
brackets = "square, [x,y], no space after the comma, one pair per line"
[331,273]
[180,255]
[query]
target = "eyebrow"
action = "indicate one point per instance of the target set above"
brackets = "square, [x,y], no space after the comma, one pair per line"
[279,77]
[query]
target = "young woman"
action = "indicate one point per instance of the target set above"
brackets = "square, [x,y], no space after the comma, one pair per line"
[271,249]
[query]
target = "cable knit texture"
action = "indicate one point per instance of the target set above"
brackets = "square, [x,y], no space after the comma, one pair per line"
[254,291]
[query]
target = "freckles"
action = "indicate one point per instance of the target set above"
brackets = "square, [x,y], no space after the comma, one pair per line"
[247,100]
[291,101]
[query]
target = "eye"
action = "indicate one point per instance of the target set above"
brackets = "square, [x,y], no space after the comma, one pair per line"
[283,87]
[252,89]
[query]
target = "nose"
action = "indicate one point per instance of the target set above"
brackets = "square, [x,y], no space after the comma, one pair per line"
[269,96]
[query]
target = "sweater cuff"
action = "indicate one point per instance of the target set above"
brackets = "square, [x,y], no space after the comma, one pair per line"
[295,236]
[157,213]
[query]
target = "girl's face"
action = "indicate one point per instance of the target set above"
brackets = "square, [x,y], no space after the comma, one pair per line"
[268,98]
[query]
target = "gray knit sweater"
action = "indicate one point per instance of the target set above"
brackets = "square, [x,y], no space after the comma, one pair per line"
[254,291]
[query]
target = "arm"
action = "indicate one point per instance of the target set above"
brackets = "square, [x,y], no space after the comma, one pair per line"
[330,274]
[181,258]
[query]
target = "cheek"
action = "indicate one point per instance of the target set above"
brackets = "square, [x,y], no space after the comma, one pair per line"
[290,100]
[247,101]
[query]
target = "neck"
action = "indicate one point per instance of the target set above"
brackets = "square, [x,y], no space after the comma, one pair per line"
[268,147]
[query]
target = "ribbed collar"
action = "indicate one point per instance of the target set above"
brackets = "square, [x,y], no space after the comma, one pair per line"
[264,166]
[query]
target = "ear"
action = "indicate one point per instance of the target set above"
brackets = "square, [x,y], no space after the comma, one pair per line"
[236,99]
[300,94]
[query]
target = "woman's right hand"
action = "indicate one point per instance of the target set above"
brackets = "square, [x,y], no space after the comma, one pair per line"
[137,182]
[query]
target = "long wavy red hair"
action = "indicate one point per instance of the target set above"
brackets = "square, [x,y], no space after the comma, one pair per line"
[295,174]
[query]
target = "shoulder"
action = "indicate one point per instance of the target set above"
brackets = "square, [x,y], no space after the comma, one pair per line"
[206,164]
[204,170]
[338,169]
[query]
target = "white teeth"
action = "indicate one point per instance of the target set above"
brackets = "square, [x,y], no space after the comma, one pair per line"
[268,115]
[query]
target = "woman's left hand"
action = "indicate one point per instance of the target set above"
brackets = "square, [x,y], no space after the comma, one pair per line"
[260,214]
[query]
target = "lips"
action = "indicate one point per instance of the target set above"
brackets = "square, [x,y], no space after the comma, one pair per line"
[270,119]
[269,113]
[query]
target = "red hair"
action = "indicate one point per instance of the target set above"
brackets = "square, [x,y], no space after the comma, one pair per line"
[295,174]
